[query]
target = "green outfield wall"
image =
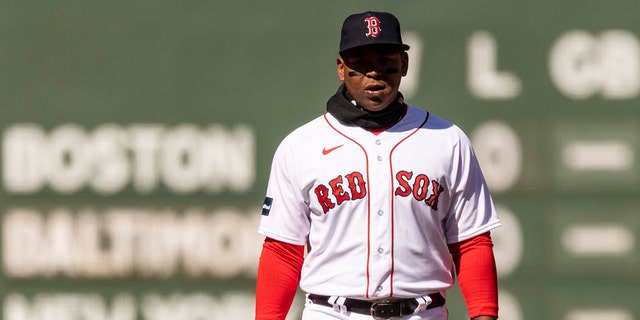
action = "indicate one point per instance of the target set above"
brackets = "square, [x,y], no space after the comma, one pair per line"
[136,141]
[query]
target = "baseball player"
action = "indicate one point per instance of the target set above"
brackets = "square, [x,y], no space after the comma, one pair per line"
[387,198]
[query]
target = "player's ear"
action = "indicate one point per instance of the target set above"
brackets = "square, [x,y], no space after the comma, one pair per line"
[405,63]
[340,65]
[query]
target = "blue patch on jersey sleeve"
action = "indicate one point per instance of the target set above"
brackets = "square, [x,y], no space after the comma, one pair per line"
[266,207]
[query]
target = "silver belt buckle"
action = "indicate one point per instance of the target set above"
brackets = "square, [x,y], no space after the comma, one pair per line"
[384,309]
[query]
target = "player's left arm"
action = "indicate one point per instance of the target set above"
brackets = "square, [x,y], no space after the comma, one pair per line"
[471,216]
[477,276]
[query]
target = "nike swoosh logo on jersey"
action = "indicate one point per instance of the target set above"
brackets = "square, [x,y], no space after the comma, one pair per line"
[326,151]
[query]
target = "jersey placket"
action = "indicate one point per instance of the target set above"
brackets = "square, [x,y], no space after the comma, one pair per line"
[380,218]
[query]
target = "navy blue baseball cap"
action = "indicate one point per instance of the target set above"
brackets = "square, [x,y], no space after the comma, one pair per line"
[366,28]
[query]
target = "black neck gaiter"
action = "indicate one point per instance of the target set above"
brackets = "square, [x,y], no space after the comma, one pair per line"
[340,106]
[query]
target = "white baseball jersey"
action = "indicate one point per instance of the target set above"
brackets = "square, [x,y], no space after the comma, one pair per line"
[377,211]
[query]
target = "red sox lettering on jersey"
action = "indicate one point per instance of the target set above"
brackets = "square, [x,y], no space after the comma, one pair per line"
[420,187]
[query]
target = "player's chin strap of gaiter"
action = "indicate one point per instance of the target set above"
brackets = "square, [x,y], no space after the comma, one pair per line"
[342,106]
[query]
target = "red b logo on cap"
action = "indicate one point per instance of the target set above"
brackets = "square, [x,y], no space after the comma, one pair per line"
[373,27]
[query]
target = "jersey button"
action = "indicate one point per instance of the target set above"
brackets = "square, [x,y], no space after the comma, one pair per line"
[379,158]
[378,142]
[380,250]
[380,212]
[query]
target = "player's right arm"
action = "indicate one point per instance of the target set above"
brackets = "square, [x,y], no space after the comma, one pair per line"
[286,225]
[278,278]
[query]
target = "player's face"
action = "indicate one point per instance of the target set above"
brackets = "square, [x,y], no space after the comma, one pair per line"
[372,74]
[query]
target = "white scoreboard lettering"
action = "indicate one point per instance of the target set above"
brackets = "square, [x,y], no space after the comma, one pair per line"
[581,65]
[185,158]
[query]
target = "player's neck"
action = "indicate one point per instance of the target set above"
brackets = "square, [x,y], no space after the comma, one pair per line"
[341,106]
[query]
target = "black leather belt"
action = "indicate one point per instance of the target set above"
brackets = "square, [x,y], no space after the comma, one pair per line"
[381,309]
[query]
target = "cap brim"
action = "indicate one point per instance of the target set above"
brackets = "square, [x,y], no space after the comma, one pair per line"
[402,46]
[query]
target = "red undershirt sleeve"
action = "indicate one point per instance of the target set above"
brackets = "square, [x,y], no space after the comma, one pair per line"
[278,278]
[477,277]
